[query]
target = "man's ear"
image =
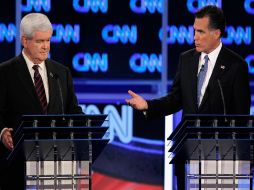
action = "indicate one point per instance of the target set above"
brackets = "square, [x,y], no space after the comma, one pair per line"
[24,41]
[217,34]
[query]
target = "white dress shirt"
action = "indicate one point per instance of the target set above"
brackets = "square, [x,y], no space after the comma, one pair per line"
[42,70]
[211,63]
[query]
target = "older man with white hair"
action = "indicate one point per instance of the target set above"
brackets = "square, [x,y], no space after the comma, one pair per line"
[31,84]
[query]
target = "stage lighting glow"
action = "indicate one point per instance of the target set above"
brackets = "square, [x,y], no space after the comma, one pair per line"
[133,148]
[239,35]
[7,32]
[181,34]
[247,5]
[65,33]
[142,62]
[36,5]
[94,6]
[146,6]
[85,62]
[250,59]
[185,35]
[194,5]
[121,124]
[113,34]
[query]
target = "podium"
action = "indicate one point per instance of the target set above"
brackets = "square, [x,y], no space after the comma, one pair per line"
[217,151]
[59,150]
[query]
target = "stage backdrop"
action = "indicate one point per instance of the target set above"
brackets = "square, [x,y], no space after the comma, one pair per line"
[111,46]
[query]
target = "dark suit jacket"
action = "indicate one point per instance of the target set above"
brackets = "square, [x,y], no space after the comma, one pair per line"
[18,97]
[230,71]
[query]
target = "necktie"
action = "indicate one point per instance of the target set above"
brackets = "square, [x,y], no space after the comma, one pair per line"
[201,78]
[39,87]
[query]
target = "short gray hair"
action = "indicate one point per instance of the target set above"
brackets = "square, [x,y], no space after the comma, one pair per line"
[34,22]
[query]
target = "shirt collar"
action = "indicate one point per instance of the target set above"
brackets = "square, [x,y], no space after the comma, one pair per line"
[30,64]
[212,55]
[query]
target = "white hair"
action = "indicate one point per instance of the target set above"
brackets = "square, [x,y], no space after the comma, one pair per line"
[34,22]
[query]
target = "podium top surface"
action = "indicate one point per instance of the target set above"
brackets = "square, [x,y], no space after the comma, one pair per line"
[62,117]
[209,118]
[212,137]
[218,122]
[63,120]
[62,126]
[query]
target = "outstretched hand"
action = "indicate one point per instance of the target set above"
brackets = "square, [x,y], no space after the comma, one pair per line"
[137,101]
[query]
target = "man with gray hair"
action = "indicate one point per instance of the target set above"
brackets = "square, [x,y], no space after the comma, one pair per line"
[31,84]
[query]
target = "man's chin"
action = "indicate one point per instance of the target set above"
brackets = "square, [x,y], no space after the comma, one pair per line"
[198,49]
[43,58]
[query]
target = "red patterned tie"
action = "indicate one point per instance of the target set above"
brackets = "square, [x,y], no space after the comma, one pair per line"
[39,87]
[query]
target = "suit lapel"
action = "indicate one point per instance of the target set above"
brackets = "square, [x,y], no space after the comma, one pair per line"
[220,66]
[26,80]
[52,85]
[193,77]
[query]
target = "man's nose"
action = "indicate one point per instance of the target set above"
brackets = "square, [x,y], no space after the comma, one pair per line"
[45,45]
[195,36]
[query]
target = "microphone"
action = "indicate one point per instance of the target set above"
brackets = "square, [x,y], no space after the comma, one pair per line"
[60,90]
[222,98]
[201,68]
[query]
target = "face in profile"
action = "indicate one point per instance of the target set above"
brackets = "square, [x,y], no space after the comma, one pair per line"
[206,39]
[37,48]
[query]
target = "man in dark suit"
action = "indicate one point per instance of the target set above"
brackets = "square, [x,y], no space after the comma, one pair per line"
[31,84]
[225,85]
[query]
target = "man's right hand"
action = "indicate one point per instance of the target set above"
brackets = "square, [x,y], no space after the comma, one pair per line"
[7,138]
[137,101]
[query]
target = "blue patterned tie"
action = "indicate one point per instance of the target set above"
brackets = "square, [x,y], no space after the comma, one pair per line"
[201,78]
[39,87]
